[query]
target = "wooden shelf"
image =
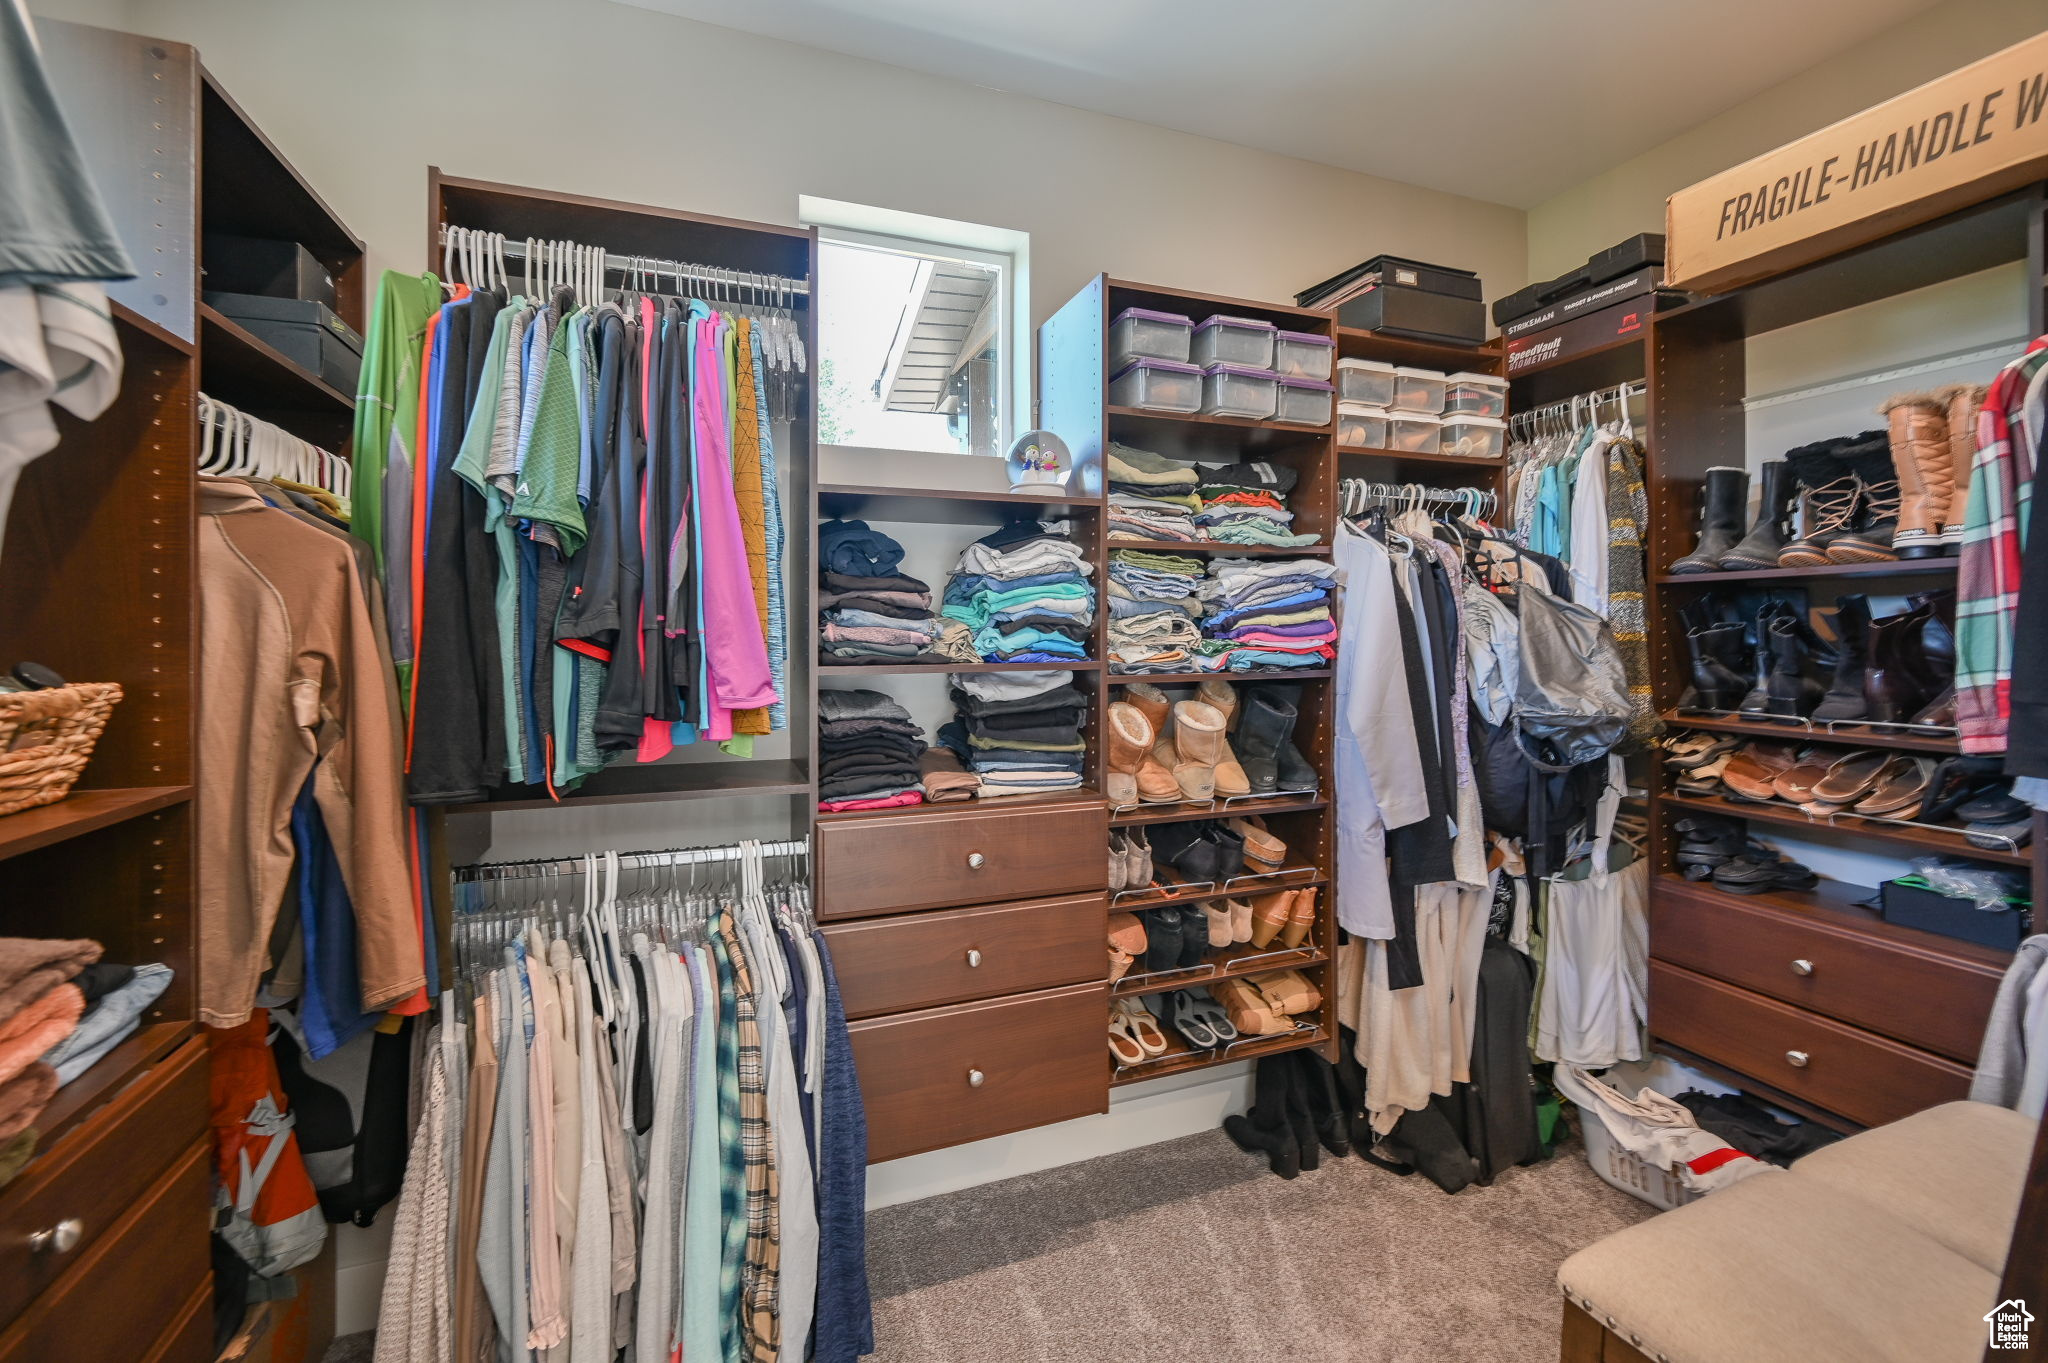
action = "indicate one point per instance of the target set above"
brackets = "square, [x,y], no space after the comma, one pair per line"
[1211,439]
[113,1072]
[1359,343]
[1181,813]
[1083,796]
[1841,904]
[1240,887]
[1218,547]
[1912,839]
[237,366]
[1905,567]
[1242,959]
[884,669]
[635,783]
[1580,357]
[1414,457]
[129,317]
[81,812]
[1181,1057]
[1186,678]
[1801,731]
[945,506]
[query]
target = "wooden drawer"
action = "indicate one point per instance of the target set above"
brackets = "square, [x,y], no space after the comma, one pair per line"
[923,960]
[190,1337]
[1864,1077]
[1890,980]
[886,863]
[1040,1057]
[99,1170]
[134,1281]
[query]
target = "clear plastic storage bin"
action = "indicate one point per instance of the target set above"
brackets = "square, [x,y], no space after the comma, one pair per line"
[1299,355]
[1478,437]
[1475,395]
[1140,333]
[1362,425]
[1368,381]
[1418,390]
[1305,400]
[1415,432]
[1238,390]
[1162,385]
[1242,341]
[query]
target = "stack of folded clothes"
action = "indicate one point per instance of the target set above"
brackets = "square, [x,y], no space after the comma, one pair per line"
[1246,504]
[869,612]
[1267,613]
[1151,497]
[1020,732]
[1153,607]
[1024,592]
[868,752]
[40,1005]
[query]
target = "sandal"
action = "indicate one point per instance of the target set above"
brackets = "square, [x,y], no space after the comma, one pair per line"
[1144,1027]
[1688,751]
[1197,1017]
[1901,787]
[1853,776]
[1123,1045]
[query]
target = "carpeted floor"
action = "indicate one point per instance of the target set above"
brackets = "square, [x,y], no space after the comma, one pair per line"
[1190,1252]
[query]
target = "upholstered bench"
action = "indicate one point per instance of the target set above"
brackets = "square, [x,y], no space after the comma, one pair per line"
[1885,1246]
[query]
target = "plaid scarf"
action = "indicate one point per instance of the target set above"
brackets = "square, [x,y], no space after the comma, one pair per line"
[1628,512]
[1988,573]
[760,1275]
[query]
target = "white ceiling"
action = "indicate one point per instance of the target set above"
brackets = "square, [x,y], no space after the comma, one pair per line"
[1507,100]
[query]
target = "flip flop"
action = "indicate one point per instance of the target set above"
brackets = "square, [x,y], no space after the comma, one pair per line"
[1199,1009]
[1122,1044]
[1184,1020]
[1144,1029]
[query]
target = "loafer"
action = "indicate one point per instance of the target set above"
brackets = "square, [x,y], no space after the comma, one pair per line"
[1852,777]
[1900,789]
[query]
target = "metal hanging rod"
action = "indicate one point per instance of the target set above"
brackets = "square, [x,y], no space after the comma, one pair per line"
[1987,356]
[506,250]
[1355,494]
[677,856]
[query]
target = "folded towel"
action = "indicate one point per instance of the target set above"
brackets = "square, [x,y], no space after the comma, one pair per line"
[23,1098]
[31,966]
[37,1027]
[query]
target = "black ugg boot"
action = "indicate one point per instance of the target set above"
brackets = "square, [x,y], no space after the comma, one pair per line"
[1265,1129]
[1868,536]
[1844,700]
[1827,500]
[1325,1104]
[1266,727]
[1766,537]
[1723,501]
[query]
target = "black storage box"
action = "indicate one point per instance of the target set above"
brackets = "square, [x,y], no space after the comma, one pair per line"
[1589,299]
[1634,255]
[309,334]
[1416,313]
[260,265]
[1910,904]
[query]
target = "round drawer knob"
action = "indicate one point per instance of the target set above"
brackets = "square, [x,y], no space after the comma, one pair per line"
[1802,967]
[1797,1059]
[61,1238]
[975,1078]
[975,861]
[973,957]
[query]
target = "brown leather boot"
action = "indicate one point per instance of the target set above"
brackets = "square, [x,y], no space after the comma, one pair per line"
[1917,425]
[1963,401]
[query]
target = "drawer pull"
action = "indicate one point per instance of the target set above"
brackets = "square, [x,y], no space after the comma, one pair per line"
[61,1238]
[1797,1059]
[1802,967]
[975,1079]
[975,861]
[973,958]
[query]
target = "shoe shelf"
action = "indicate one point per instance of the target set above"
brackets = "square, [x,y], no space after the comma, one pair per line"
[1853,735]
[1193,678]
[1180,1057]
[1912,837]
[1233,887]
[1242,959]
[1239,807]
[1905,567]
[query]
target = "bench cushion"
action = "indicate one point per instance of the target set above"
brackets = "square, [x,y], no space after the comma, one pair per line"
[1784,1267]
[1953,1173]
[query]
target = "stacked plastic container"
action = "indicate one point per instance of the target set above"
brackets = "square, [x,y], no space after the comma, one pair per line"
[1148,362]
[1475,412]
[1365,389]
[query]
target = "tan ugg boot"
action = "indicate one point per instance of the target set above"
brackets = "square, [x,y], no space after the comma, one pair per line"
[1130,743]
[1221,694]
[1964,400]
[1917,424]
[1158,708]
[1198,743]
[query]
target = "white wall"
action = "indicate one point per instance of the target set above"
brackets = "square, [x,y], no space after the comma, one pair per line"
[1569,226]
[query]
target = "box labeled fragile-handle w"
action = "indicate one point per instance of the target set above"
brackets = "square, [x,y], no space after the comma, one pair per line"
[1955,141]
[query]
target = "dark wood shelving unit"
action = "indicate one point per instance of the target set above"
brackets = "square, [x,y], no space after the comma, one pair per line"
[1357,343]
[82,812]
[1230,963]
[1181,1057]
[1222,549]
[1800,731]
[1844,905]
[638,783]
[1909,841]
[1168,893]
[944,506]
[1144,815]
[1003,804]
[1905,567]
[1277,674]
[1439,460]
[943,669]
[1215,439]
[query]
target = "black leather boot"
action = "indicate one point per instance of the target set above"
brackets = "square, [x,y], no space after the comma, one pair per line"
[1844,700]
[1898,660]
[1826,500]
[1868,536]
[1757,701]
[1716,685]
[1265,726]
[1266,1127]
[1766,538]
[1723,500]
[1789,691]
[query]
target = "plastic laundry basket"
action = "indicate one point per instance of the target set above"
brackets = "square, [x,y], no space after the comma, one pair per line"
[1628,1171]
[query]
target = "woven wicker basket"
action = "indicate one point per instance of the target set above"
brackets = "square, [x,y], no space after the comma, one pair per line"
[46,738]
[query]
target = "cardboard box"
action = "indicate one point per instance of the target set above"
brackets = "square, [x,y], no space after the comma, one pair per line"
[1964,138]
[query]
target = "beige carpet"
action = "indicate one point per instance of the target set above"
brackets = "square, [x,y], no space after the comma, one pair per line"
[1190,1252]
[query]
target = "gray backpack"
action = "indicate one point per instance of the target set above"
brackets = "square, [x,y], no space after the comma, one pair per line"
[1572,704]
